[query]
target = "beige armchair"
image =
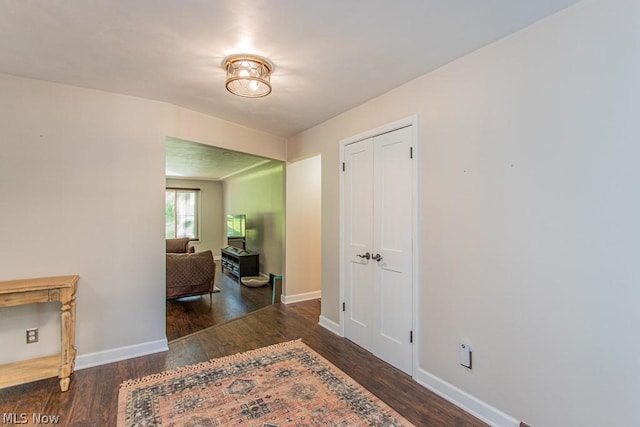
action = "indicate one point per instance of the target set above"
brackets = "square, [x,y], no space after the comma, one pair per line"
[189,273]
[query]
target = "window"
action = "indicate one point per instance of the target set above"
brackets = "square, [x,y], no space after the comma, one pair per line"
[181,213]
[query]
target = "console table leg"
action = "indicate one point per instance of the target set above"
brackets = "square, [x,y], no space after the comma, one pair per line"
[67,320]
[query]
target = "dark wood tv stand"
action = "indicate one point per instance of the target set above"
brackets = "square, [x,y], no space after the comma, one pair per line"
[239,262]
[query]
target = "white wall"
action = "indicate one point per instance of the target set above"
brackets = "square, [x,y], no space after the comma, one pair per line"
[304,228]
[203,129]
[82,178]
[213,224]
[529,216]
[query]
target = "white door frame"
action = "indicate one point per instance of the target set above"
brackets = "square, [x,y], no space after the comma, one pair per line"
[402,123]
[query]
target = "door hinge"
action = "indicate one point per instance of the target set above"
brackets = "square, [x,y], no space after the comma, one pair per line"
[410,336]
[344,306]
[411,152]
[343,167]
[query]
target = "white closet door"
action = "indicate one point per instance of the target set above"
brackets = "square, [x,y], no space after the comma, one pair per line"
[358,212]
[393,273]
[378,213]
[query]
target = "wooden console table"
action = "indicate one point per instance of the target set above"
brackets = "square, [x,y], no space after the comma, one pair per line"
[31,291]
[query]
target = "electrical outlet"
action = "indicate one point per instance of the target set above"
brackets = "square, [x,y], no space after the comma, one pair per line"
[32,335]
[465,355]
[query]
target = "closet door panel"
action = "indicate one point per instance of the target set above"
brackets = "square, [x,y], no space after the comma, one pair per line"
[358,205]
[392,224]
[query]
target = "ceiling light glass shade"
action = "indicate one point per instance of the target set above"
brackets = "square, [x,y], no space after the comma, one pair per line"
[248,75]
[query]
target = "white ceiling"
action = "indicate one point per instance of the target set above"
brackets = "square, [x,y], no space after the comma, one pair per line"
[329,55]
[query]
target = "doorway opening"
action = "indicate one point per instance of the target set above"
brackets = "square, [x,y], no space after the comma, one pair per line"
[228,183]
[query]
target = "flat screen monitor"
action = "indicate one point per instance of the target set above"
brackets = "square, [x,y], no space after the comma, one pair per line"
[236,225]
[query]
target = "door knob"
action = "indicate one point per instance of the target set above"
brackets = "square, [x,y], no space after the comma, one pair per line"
[376,257]
[365,256]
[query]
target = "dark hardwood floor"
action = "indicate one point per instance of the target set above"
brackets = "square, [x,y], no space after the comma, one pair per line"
[191,314]
[92,397]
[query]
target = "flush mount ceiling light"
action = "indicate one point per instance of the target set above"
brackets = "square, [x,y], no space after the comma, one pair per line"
[248,75]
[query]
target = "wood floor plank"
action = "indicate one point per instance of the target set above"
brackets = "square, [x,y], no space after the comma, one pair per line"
[28,399]
[185,353]
[58,403]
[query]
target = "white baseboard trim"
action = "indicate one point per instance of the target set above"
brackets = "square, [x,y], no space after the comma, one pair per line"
[330,325]
[290,299]
[465,401]
[121,353]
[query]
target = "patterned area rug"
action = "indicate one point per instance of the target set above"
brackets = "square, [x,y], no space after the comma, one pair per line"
[281,385]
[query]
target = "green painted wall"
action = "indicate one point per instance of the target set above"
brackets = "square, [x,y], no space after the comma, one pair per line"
[259,194]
